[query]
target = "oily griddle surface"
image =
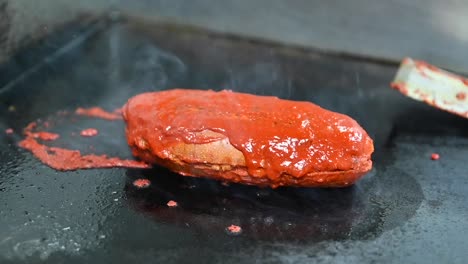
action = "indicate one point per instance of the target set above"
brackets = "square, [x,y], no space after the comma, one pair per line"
[408,209]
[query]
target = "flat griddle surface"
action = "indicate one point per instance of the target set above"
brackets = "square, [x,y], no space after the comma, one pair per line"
[408,209]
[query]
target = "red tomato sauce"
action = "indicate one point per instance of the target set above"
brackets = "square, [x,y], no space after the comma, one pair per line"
[89,132]
[98,112]
[67,159]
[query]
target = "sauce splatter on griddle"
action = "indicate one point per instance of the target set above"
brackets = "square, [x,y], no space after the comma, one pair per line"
[234,229]
[46,136]
[67,159]
[435,156]
[89,132]
[142,183]
[9,131]
[172,203]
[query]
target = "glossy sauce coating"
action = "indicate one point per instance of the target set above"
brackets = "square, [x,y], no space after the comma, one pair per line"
[275,136]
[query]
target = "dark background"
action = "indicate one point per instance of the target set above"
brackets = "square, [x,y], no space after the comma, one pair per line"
[432,30]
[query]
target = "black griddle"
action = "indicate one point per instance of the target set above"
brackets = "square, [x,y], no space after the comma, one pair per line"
[409,209]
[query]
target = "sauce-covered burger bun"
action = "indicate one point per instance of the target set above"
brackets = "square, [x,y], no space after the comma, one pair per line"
[249,139]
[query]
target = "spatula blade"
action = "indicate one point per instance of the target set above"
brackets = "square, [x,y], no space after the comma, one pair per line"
[436,87]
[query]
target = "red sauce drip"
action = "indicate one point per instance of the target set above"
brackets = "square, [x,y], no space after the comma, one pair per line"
[172,203]
[461,96]
[9,131]
[142,183]
[90,132]
[98,112]
[276,136]
[234,229]
[435,156]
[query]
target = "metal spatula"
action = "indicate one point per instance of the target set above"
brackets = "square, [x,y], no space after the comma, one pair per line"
[424,82]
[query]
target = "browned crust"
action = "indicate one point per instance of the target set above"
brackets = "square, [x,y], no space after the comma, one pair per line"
[220,160]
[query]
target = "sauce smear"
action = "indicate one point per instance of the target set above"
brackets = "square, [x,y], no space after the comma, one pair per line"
[67,159]
[461,96]
[98,112]
[46,136]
